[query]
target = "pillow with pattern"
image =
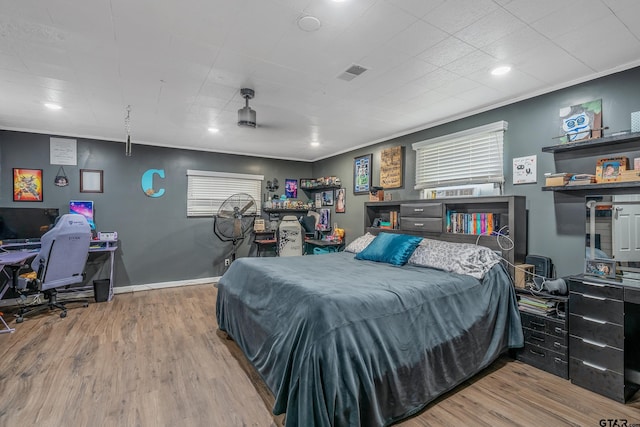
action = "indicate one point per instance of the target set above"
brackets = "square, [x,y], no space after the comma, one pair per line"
[462,258]
[360,243]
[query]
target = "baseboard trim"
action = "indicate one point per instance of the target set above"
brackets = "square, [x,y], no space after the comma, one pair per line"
[161,285]
[117,290]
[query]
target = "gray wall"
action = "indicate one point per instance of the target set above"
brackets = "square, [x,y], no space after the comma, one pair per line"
[556,221]
[158,243]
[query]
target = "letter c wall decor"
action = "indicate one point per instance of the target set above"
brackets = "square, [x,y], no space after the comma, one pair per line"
[147,182]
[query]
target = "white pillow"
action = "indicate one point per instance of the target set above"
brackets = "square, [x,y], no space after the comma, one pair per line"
[360,243]
[462,258]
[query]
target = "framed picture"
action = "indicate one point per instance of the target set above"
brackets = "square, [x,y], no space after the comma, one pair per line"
[610,169]
[91,181]
[327,198]
[391,164]
[602,267]
[324,224]
[362,174]
[291,188]
[341,201]
[27,185]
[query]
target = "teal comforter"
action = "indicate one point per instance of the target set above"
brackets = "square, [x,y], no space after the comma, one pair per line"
[343,342]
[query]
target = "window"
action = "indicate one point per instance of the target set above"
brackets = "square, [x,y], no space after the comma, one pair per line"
[473,156]
[206,191]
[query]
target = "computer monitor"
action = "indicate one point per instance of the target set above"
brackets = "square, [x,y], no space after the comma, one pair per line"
[84,208]
[26,223]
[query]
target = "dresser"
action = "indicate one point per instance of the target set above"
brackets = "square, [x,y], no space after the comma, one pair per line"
[546,343]
[604,336]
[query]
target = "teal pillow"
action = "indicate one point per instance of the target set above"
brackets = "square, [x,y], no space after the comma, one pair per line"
[394,249]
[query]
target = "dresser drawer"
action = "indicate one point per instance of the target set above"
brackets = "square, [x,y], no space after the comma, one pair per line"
[597,354]
[550,342]
[544,359]
[421,210]
[597,379]
[596,289]
[597,307]
[549,326]
[632,295]
[596,330]
[433,225]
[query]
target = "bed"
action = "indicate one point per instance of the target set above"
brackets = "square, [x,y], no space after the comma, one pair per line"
[342,341]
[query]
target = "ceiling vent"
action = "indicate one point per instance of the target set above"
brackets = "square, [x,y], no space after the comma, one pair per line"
[247,116]
[352,72]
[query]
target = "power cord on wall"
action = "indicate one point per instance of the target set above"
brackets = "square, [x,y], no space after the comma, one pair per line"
[505,243]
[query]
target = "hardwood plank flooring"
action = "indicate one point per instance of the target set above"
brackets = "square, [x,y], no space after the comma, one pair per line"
[156,358]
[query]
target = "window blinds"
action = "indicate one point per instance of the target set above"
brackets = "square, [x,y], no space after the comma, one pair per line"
[206,190]
[473,156]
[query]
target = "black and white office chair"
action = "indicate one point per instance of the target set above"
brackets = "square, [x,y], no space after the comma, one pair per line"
[60,262]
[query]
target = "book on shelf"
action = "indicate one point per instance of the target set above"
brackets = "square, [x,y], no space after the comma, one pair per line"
[472,223]
[582,179]
[537,305]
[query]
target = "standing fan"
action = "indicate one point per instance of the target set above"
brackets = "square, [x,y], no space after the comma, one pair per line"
[234,218]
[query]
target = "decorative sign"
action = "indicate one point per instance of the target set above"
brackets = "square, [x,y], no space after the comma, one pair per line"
[63,151]
[524,170]
[391,161]
[147,182]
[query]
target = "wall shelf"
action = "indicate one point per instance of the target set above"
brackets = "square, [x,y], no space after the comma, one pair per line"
[597,186]
[596,142]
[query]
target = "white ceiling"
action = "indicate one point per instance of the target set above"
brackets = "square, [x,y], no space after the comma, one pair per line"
[181,64]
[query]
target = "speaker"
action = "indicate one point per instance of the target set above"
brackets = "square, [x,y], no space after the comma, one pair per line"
[543,265]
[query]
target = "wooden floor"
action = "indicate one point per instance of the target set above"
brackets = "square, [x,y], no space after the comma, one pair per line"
[156,358]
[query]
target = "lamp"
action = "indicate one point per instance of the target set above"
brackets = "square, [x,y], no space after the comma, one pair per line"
[127,126]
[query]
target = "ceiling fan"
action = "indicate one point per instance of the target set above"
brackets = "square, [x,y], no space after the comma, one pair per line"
[246,115]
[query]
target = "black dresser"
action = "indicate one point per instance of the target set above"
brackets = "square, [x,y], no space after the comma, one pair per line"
[604,336]
[545,343]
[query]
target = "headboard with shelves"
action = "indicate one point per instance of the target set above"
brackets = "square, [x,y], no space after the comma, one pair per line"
[432,218]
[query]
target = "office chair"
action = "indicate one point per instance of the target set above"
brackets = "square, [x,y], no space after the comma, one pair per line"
[60,262]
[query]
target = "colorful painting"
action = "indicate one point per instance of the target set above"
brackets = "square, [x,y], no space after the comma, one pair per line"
[341,202]
[362,174]
[581,122]
[291,188]
[27,185]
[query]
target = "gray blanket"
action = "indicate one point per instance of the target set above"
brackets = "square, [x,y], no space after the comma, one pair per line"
[343,342]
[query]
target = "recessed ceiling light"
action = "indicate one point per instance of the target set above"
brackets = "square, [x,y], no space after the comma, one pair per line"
[315,143]
[499,71]
[214,130]
[309,23]
[52,106]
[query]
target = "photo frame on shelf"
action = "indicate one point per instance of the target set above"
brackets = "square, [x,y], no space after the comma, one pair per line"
[27,185]
[324,224]
[291,188]
[362,174]
[327,198]
[91,181]
[601,267]
[341,200]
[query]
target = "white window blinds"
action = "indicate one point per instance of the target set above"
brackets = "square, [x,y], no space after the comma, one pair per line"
[473,156]
[206,191]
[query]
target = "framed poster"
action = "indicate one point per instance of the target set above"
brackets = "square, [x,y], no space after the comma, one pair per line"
[91,181]
[362,174]
[27,185]
[391,161]
[524,170]
[341,202]
[327,198]
[291,188]
[324,224]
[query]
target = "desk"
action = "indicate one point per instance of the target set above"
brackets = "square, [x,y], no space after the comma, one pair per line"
[18,257]
[13,260]
[329,245]
[265,240]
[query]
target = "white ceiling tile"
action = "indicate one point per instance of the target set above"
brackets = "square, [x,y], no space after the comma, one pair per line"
[417,8]
[471,63]
[416,38]
[489,28]
[518,43]
[446,52]
[454,16]
[574,15]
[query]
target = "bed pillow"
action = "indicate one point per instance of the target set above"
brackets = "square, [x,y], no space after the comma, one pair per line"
[360,243]
[390,248]
[462,258]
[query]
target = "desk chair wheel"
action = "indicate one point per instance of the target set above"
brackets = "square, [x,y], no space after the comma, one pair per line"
[19,319]
[63,314]
[86,304]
